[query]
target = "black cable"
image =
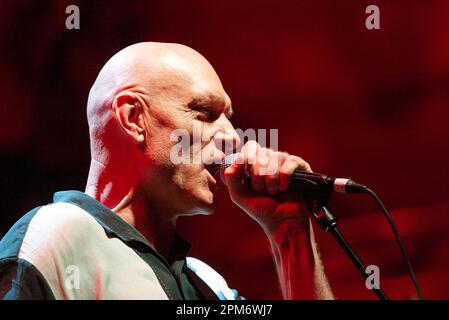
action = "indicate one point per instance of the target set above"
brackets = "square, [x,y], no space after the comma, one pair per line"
[399,241]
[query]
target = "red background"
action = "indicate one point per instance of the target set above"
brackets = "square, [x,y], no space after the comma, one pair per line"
[369,105]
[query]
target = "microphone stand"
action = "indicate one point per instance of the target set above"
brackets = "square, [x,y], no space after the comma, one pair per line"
[328,222]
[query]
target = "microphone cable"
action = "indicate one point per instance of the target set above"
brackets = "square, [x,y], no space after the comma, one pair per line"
[398,240]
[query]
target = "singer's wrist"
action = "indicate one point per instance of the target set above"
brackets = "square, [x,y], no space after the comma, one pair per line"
[292,250]
[287,216]
[284,227]
[294,240]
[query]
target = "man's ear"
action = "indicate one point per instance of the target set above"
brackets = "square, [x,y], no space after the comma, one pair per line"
[129,112]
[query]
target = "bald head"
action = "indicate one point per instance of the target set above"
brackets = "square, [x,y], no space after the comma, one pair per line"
[158,72]
[141,97]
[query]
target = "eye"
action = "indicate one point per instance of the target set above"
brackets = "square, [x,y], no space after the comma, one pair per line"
[205,113]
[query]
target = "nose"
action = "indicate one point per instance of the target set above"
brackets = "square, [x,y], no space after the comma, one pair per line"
[226,138]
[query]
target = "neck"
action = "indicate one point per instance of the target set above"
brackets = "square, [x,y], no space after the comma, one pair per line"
[127,198]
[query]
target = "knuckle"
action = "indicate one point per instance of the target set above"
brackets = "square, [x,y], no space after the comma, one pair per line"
[283,155]
[295,159]
[251,144]
[298,161]
[279,154]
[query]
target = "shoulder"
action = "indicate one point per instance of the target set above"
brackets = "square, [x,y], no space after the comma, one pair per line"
[53,227]
[213,279]
[35,251]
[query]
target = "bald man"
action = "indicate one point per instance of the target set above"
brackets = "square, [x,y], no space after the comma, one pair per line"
[118,239]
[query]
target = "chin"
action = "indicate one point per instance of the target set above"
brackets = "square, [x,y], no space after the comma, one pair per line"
[203,204]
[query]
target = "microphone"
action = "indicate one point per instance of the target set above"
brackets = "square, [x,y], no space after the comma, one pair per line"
[309,182]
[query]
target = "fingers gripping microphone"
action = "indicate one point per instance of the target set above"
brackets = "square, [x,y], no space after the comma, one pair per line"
[310,182]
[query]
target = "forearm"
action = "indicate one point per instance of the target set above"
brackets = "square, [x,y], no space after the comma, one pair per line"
[298,264]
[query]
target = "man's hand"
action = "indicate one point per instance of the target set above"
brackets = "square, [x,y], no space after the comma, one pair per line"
[266,199]
[283,215]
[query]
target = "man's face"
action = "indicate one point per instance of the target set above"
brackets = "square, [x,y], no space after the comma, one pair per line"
[187,99]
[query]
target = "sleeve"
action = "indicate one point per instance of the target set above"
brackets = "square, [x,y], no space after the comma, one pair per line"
[213,279]
[20,280]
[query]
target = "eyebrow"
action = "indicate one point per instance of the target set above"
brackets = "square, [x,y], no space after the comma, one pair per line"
[228,111]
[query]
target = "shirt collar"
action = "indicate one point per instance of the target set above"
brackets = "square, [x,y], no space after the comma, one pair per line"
[114,224]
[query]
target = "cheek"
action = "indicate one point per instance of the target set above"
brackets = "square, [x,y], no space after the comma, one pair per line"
[158,149]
